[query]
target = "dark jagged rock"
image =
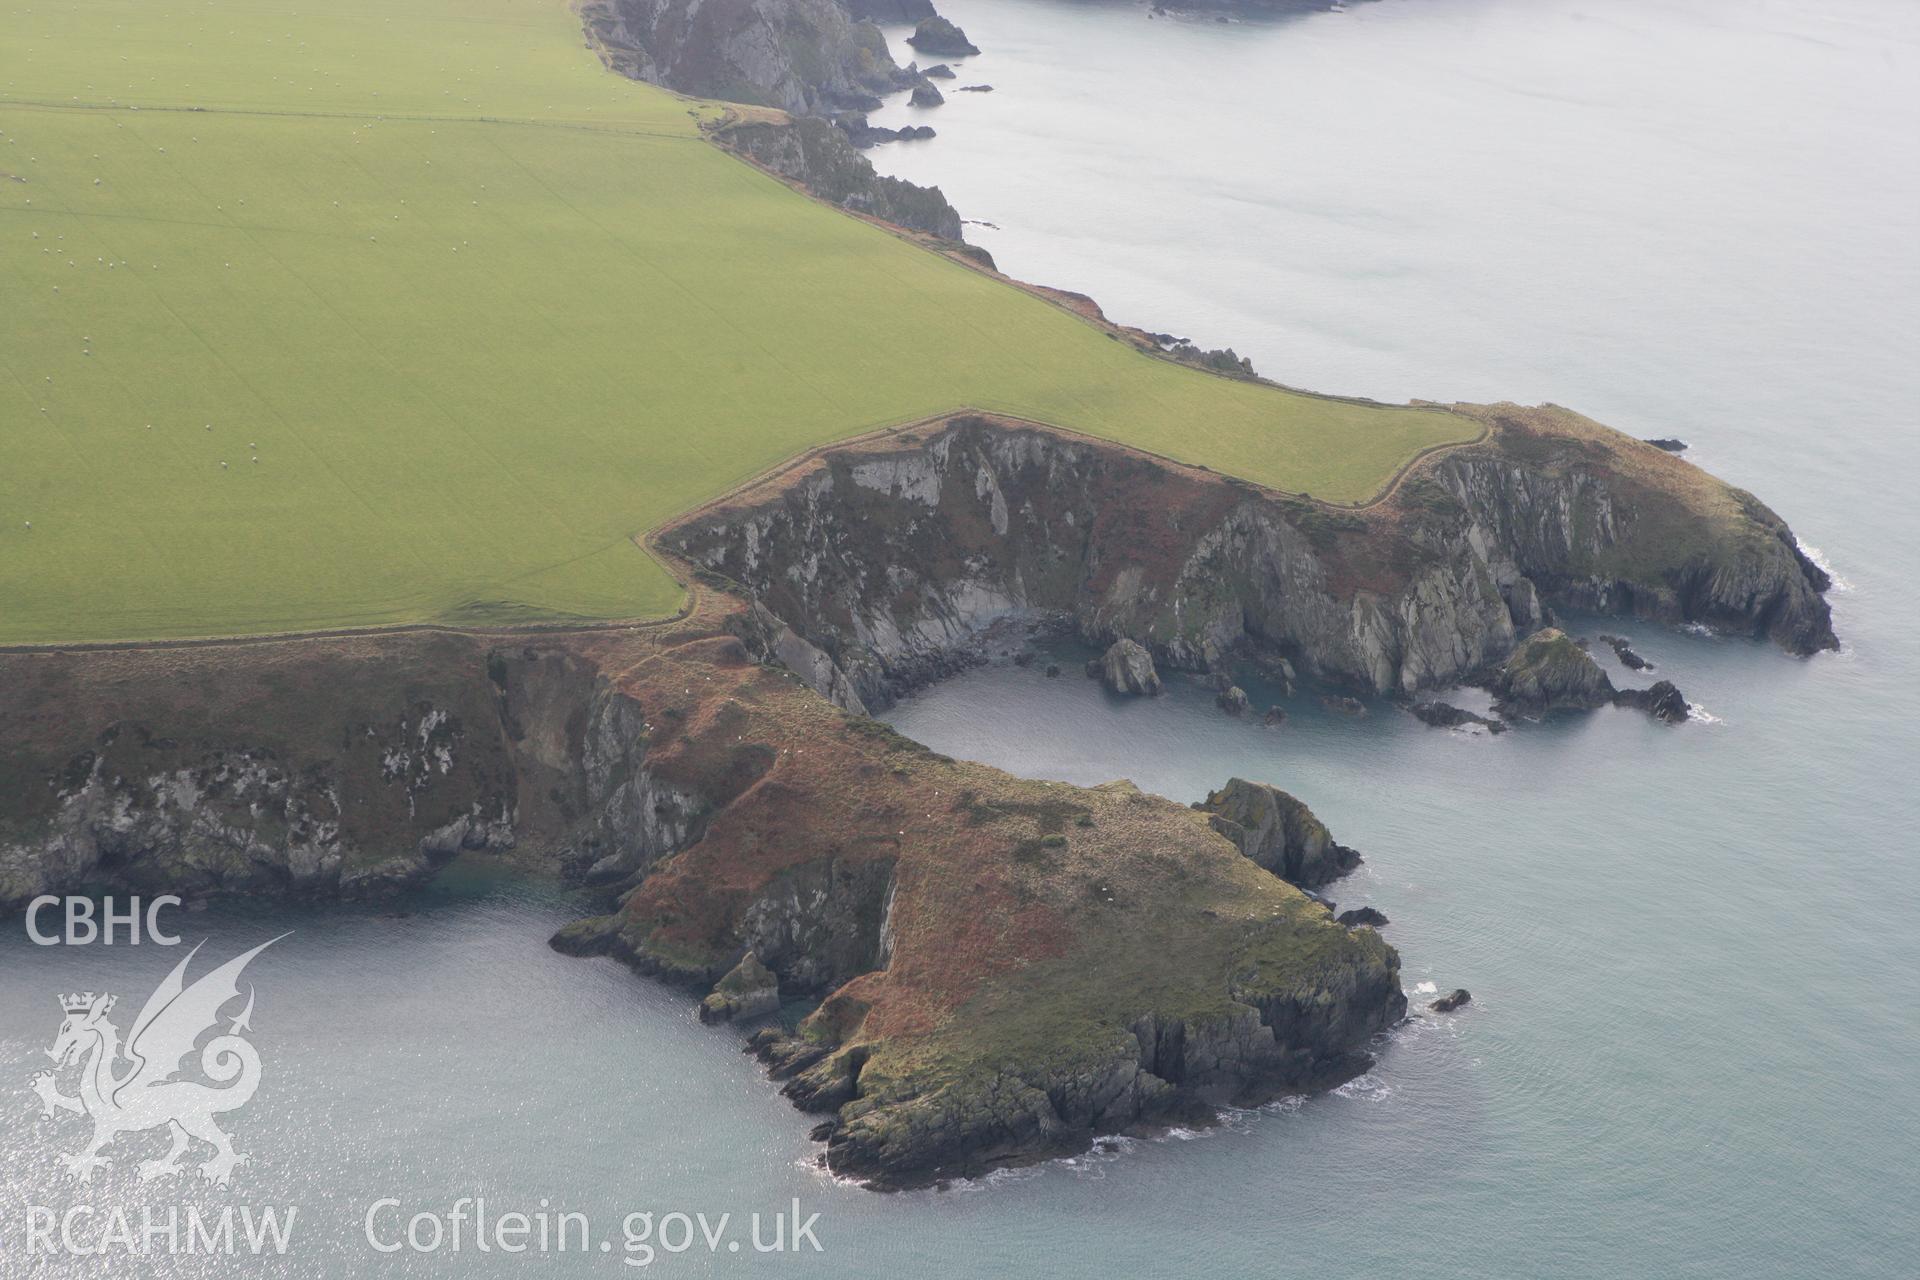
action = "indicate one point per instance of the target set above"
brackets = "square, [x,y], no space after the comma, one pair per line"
[820,156]
[940,37]
[864,135]
[1668,444]
[1232,700]
[1127,668]
[1451,1001]
[976,88]
[1443,715]
[926,95]
[804,56]
[1549,672]
[1343,704]
[1368,916]
[1662,701]
[1223,360]
[1275,717]
[940,71]
[1623,651]
[1279,833]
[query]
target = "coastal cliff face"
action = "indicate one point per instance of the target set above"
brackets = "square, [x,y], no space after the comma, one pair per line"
[351,768]
[999,968]
[819,156]
[889,555]
[802,56]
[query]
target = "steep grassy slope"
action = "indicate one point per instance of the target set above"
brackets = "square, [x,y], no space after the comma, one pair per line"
[481,310]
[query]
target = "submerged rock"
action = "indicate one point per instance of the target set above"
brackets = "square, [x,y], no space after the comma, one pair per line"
[1342,704]
[1451,1001]
[1279,833]
[1549,672]
[1275,717]
[1444,715]
[1127,668]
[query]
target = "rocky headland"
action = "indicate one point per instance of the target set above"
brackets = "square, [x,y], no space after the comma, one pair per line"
[998,969]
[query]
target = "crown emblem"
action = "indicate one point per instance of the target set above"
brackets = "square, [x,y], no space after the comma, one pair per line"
[83,1002]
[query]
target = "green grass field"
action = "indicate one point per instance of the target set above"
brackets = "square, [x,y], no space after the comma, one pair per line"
[481,310]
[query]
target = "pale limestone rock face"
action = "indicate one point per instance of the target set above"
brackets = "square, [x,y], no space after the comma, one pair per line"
[1127,668]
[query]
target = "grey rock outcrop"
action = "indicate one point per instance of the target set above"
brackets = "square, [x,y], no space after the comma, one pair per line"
[1127,668]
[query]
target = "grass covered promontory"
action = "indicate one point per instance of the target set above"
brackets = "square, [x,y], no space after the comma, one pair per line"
[365,313]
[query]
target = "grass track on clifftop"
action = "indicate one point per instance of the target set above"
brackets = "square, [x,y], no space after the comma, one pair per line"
[481,310]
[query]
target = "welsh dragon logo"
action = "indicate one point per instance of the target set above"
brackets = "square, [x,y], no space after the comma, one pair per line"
[137,1087]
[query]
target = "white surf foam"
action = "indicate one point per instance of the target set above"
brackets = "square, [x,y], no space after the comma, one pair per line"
[1825,566]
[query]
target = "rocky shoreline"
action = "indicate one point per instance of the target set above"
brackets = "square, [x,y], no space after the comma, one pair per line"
[887,556]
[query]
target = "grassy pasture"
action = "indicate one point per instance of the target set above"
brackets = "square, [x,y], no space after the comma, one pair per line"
[481,311]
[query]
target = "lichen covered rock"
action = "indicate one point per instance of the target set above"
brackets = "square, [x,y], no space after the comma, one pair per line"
[750,990]
[1279,833]
[1549,672]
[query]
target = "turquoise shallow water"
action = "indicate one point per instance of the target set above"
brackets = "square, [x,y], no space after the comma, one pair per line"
[1692,1049]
